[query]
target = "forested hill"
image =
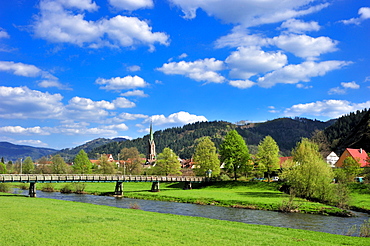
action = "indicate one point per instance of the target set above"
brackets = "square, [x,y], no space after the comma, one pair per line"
[12,152]
[69,154]
[286,132]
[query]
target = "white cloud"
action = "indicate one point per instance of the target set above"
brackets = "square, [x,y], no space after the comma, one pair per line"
[240,36]
[118,127]
[131,5]
[242,84]
[200,70]
[292,74]
[3,33]
[23,131]
[180,118]
[122,102]
[118,83]
[134,68]
[343,90]
[249,61]
[134,93]
[298,26]
[364,13]
[326,108]
[250,13]
[58,23]
[23,103]
[305,46]
[183,55]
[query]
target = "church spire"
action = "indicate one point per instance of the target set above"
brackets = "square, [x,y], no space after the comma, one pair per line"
[151,153]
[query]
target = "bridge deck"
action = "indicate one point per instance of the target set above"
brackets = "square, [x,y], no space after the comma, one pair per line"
[64,178]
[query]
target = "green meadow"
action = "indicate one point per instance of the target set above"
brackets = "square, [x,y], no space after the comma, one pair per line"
[38,221]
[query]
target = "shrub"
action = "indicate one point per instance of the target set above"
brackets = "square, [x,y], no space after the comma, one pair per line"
[67,188]
[79,188]
[48,187]
[4,187]
[23,186]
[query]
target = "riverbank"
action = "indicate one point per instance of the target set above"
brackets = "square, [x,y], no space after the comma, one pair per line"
[39,221]
[251,195]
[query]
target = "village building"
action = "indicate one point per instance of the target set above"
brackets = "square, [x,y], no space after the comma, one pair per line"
[331,159]
[359,155]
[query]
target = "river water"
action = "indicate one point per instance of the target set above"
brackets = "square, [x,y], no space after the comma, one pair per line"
[329,224]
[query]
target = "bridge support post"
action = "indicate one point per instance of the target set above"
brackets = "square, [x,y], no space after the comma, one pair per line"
[118,190]
[187,185]
[32,189]
[155,186]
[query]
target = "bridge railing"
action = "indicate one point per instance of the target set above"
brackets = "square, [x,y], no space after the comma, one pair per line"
[46,178]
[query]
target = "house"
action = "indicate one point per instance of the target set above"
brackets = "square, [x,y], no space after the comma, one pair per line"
[283,160]
[331,159]
[359,155]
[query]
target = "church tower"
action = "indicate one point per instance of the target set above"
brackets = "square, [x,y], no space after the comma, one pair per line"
[151,153]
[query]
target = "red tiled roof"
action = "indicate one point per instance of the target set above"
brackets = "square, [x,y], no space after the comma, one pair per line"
[359,155]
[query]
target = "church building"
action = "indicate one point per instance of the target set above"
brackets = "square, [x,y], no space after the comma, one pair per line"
[151,153]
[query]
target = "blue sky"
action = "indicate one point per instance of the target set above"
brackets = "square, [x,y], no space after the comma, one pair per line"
[75,70]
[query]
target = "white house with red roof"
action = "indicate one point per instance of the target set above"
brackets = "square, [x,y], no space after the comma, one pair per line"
[359,155]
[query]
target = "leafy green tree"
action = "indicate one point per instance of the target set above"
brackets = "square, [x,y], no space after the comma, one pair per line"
[58,165]
[81,163]
[168,163]
[3,169]
[206,158]
[351,168]
[28,166]
[132,161]
[310,176]
[235,154]
[104,166]
[268,155]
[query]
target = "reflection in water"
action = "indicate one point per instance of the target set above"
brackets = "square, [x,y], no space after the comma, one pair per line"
[329,224]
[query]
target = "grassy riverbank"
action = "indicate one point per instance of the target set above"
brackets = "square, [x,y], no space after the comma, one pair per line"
[37,221]
[253,195]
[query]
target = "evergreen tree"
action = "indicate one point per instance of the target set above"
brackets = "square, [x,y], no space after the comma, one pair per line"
[58,165]
[268,155]
[28,166]
[235,154]
[81,163]
[206,158]
[168,163]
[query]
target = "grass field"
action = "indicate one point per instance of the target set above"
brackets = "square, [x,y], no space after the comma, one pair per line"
[37,221]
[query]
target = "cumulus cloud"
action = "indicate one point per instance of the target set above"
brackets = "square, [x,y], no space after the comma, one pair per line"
[134,68]
[364,13]
[117,83]
[344,87]
[299,26]
[249,61]
[23,131]
[292,74]
[131,5]
[326,108]
[250,13]
[23,103]
[200,70]
[134,93]
[305,46]
[58,23]
[242,84]
[240,36]
[180,118]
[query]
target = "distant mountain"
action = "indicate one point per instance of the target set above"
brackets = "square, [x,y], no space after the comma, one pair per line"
[69,154]
[12,152]
[182,140]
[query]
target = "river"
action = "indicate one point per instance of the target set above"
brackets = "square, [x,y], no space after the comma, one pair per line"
[329,224]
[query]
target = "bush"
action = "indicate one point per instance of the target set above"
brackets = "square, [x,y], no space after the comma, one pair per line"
[48,187]
[67,188]
[4,187]
[79,188]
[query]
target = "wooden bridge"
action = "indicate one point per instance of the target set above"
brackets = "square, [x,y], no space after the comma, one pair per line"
[32,179]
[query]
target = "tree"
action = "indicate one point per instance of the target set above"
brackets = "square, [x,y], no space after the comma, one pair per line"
[105,166]
[206,158]
[268,155]
[81,163]
[351,168]
[235,154]
[310,176]
[28,166]
[168,163]
[132,160]
[3,169]
[58,165]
